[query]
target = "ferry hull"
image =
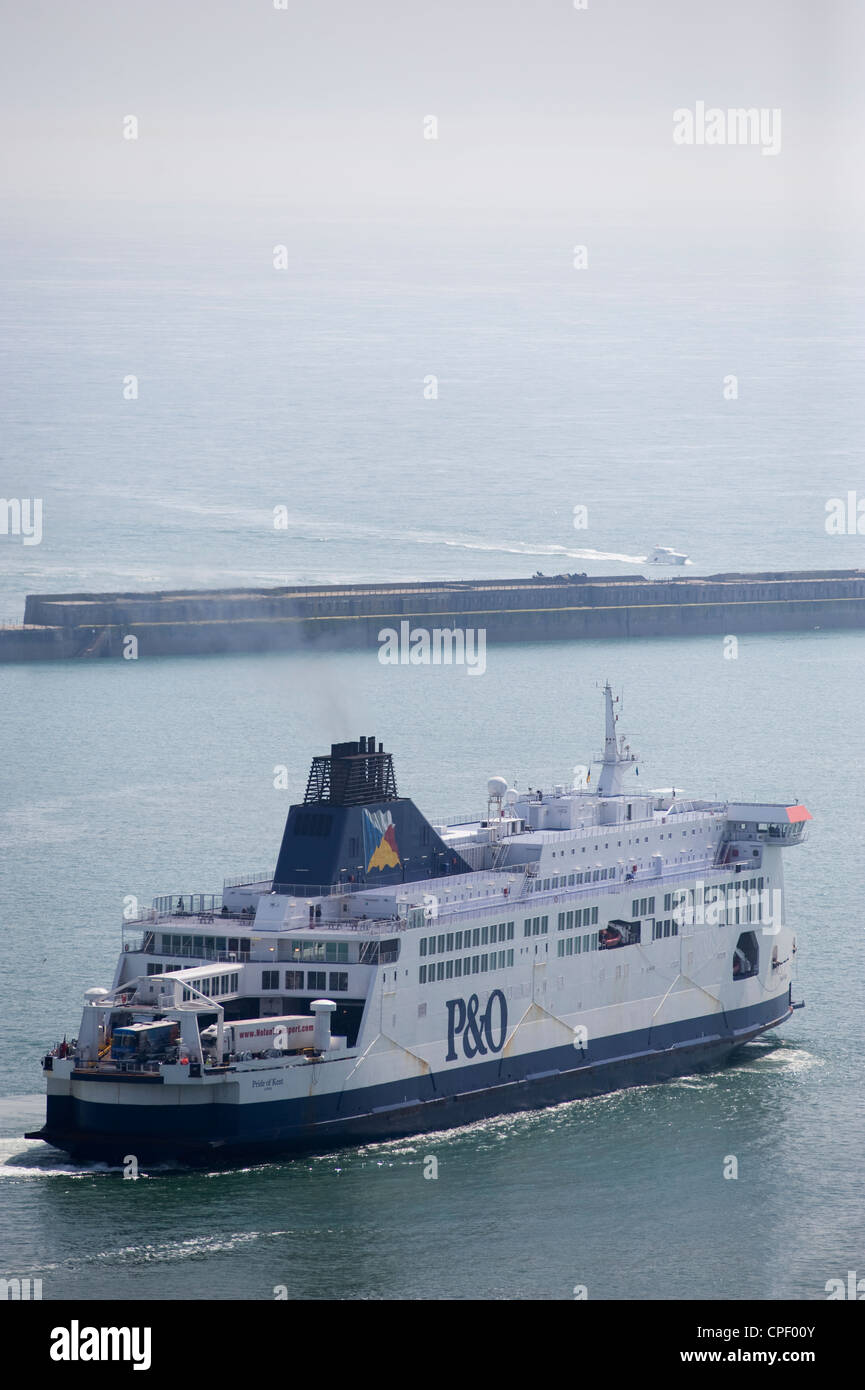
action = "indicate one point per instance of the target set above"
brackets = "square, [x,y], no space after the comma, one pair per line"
[90,1129]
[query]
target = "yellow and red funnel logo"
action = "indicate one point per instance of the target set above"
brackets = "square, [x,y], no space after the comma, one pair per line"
[379,841]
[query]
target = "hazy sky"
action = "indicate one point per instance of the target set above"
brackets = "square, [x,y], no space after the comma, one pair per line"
[541,108]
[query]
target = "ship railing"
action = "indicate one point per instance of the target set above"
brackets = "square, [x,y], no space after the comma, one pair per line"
[252,879]
[588,832]
[196,911]
[320,890]
[376,926]
[524,903]
[516,899]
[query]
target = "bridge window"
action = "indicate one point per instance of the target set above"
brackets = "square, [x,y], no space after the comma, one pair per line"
[316,979]
[269,979]
[338,980]
[294,979]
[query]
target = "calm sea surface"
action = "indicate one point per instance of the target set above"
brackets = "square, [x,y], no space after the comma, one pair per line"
[144,777]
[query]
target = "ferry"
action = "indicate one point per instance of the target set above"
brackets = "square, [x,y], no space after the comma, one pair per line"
[396,975]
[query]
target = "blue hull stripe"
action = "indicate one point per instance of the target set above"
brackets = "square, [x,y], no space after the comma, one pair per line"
[453,1096]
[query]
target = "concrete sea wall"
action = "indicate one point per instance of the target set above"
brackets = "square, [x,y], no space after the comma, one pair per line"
[87,626]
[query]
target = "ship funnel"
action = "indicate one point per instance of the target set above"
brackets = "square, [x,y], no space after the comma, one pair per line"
[354,828]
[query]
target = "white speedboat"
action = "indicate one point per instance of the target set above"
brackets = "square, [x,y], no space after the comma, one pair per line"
[663,555]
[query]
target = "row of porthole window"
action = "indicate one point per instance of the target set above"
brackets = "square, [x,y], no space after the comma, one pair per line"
[580,917]
[576,945]
[461,940]
[464,965]
[545,885]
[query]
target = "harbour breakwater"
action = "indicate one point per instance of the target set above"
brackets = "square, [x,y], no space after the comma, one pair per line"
[338,617]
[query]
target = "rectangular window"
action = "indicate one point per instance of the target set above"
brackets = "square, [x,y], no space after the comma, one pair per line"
[440,970]
[527,926]
[423,949]
[270,979]
[467,963]
[545,925]
[441,944]
[485,935]
[561,948]
[458,967]
[476,964]
[316,979]
[476,937]
[449,969]
[510,931]
[432,945]
[635,907]
[294,979]
[510,957]
[459,941]
[484,962]
[493,932]
[450,941]
[422,975]
[338,980]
